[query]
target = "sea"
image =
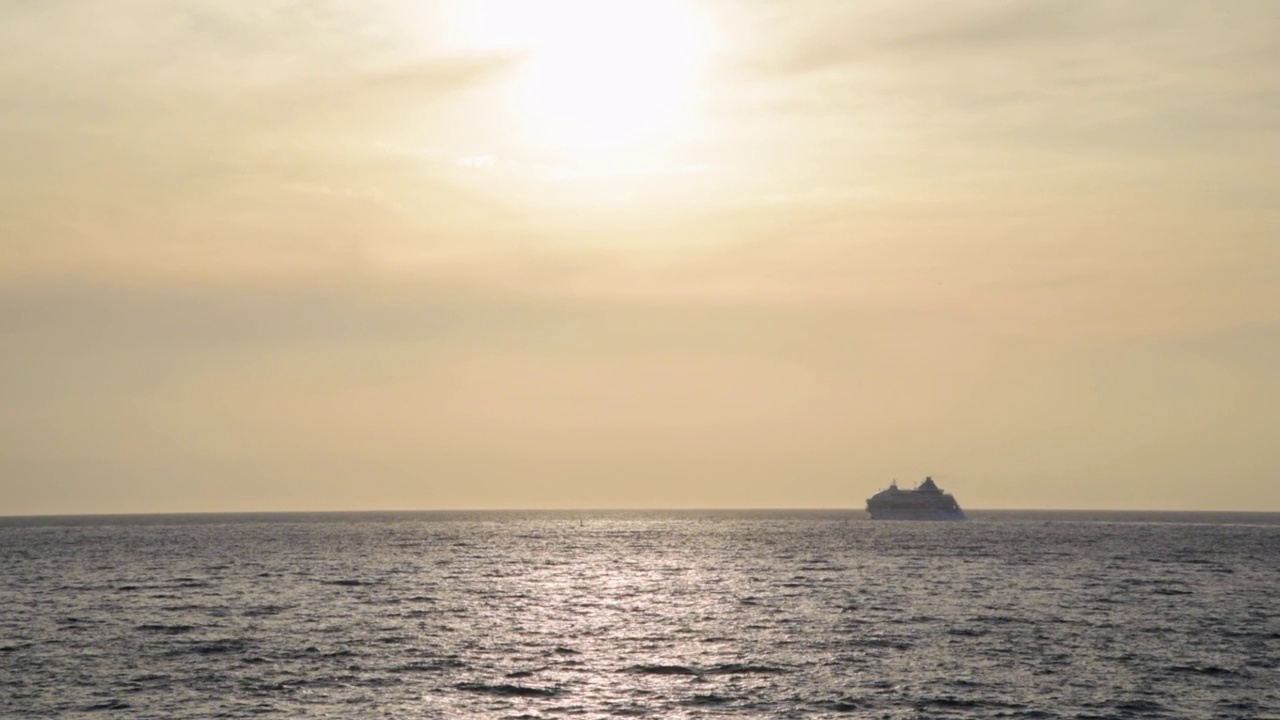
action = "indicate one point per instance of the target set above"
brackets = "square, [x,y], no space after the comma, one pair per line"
[681,614]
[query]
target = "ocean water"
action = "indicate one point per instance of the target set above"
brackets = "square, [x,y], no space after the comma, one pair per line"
[640,615]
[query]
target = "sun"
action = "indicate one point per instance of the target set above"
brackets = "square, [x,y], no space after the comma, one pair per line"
[598,76]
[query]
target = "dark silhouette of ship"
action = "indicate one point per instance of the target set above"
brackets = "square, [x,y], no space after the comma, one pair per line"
[925,502]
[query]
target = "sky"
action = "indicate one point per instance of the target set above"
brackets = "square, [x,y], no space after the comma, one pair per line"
[402,254]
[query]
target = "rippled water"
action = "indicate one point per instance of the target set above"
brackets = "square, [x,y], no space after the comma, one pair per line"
[526,615]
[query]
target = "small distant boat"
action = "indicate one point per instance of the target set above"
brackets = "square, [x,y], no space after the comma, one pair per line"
[924,502]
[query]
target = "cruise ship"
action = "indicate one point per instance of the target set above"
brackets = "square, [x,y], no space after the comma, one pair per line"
[925,502]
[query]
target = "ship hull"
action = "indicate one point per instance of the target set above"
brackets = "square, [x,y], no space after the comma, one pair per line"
[915,514]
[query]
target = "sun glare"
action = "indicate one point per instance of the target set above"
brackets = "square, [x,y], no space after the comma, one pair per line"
[598,76]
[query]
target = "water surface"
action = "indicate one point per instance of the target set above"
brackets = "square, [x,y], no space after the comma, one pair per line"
[657,614]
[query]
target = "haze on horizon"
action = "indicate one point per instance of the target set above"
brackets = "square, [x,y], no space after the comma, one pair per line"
[394,254]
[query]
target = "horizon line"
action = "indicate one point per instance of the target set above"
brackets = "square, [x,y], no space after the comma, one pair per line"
[385,511]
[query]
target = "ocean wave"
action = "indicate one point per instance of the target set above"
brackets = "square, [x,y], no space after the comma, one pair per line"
[736,669]
[702,700]
[662,670]
[166,629]
[508,690]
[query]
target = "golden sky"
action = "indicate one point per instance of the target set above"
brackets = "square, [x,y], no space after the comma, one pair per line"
[275,254]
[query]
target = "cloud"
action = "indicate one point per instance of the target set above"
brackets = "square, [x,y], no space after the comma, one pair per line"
[1094,79]
[319,383]
[151,131]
